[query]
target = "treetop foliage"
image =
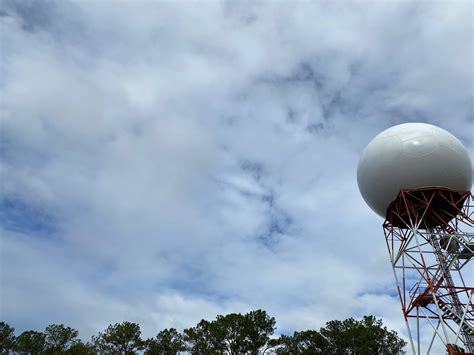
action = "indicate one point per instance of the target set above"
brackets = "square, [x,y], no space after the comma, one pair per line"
[59,338]
[235,333]
[120,338]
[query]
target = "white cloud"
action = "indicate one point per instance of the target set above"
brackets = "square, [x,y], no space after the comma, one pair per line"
[200,158]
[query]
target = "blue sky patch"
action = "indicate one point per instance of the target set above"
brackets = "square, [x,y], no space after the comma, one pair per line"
[19,216]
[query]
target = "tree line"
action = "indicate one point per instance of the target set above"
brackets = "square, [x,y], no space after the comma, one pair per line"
[251,333]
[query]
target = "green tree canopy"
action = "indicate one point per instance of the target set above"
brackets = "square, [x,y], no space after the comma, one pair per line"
[79,348]
[30,342]
[7,338]
[306,342]
[59,338]
[205,338]
[122,338]
[367,336]
[231,334]
[259,326]
[233,331]
[168,341]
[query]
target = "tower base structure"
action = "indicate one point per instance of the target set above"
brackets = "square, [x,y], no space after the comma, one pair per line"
[430,240]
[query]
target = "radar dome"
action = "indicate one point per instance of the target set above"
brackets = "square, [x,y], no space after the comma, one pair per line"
[411,156]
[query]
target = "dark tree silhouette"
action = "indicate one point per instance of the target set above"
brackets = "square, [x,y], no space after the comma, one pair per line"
[80,348]
[306,343]
[205,338]
[168,341]
[231,334]
[122,338]
[30,342]
[259,326]
[232,327]
[7,338]
[59,338]
[367,336]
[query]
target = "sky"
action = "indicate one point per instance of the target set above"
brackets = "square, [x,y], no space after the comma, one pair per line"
[164,162]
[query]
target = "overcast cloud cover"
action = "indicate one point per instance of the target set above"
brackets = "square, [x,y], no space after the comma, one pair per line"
[165,162]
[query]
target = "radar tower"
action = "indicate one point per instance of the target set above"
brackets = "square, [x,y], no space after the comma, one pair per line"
[418,176]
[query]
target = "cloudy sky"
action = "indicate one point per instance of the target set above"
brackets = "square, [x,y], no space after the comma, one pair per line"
[163,162]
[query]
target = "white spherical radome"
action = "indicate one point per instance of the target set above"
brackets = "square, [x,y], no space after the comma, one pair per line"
[411,156]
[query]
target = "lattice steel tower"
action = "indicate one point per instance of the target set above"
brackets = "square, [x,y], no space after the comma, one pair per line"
[418,177]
